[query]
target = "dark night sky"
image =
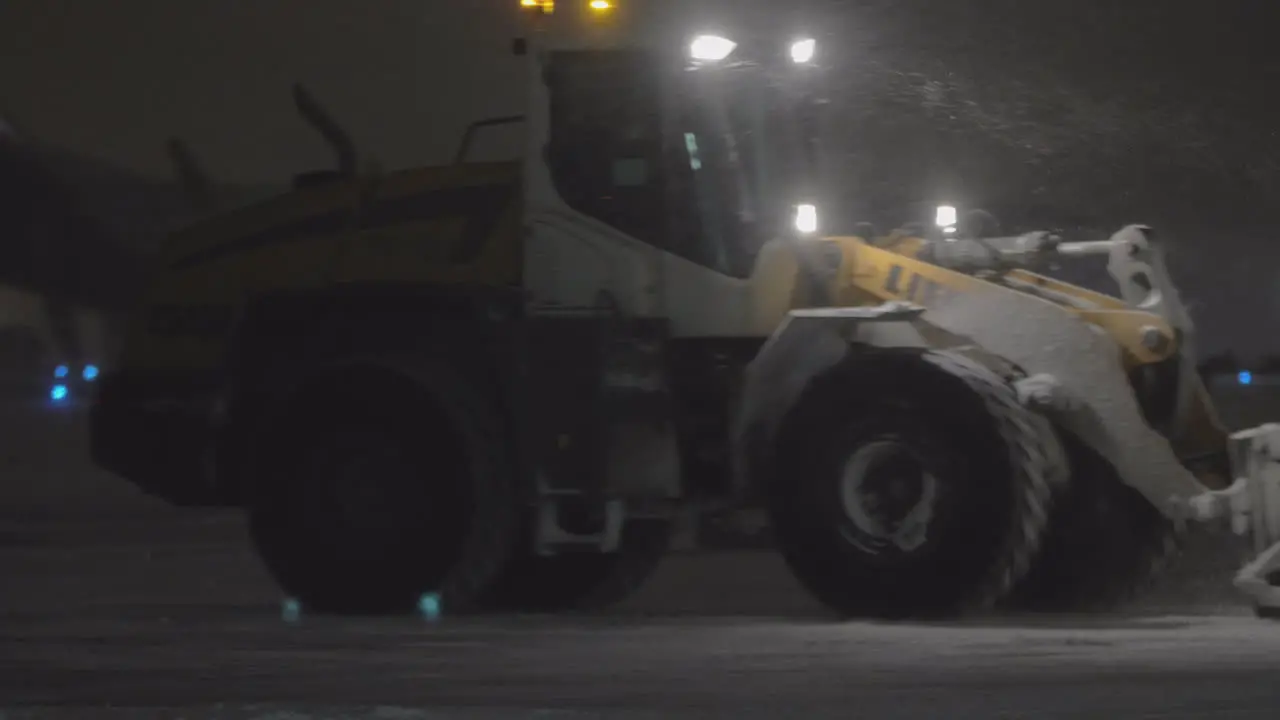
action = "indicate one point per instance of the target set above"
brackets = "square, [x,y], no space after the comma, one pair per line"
[116,78]
[1085,112]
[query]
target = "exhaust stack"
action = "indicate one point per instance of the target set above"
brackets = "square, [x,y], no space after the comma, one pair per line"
[337,138]
[192,176]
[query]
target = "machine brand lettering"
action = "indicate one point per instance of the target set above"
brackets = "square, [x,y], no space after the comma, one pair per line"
[919,289]
[913,287]
[895,277]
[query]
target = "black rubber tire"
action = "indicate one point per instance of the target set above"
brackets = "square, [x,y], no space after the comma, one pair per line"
[581,582]
[1266,613]
[439,513]
[967,428]
[1105,544]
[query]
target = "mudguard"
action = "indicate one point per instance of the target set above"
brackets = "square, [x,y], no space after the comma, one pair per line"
[806,344]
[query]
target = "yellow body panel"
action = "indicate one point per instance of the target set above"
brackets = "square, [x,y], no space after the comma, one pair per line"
[399,253]
[325,237]
[866,275]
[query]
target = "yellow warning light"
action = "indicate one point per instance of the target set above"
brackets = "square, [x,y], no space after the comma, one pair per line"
[546,7]
[600,5]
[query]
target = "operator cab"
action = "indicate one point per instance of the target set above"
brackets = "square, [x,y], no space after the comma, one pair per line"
[703,154]
[702,162]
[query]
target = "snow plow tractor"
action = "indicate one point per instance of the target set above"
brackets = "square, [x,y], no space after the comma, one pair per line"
[508,385]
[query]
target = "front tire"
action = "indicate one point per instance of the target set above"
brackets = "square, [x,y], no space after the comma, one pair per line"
[1106,543]
[910,485]
[371,489]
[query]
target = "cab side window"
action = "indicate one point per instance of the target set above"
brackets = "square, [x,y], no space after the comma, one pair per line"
[605,146]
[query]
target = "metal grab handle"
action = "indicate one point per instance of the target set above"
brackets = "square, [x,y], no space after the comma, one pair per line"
[1087,248]
[468,137]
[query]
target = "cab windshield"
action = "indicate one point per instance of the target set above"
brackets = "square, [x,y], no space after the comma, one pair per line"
[705,164]
[741,167]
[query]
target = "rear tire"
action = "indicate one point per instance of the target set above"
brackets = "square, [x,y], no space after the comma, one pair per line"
[582,582]
[371,490]
[981,457]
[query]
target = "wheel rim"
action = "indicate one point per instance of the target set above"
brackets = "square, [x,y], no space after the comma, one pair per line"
[363,501]
[370,480]
[889,499]
[443,468]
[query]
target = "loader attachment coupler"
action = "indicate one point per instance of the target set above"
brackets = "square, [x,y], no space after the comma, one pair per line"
[1252,504]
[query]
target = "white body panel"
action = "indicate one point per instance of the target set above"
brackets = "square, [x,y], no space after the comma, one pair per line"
[1043,340]
[703,303]
[572,261]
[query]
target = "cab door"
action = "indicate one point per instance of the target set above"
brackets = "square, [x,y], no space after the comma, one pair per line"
[595,208]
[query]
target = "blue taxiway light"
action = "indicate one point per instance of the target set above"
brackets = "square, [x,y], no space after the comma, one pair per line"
[291,610]
[58,393]
[61,371]
[1244,377]
[429,606]
[90,373]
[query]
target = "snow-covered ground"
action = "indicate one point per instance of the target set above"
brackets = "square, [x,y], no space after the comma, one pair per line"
[114,606]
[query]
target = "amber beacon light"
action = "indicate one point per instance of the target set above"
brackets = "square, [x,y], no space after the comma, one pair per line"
[544,7]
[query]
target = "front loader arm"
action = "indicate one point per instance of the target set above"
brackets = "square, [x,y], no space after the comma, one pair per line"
[1147,327]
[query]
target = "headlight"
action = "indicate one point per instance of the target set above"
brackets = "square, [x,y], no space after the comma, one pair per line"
[711,48]
[806,220]
[946,218]
[802,51]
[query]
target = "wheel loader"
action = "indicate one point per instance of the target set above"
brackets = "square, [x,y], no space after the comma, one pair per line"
[507,385]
